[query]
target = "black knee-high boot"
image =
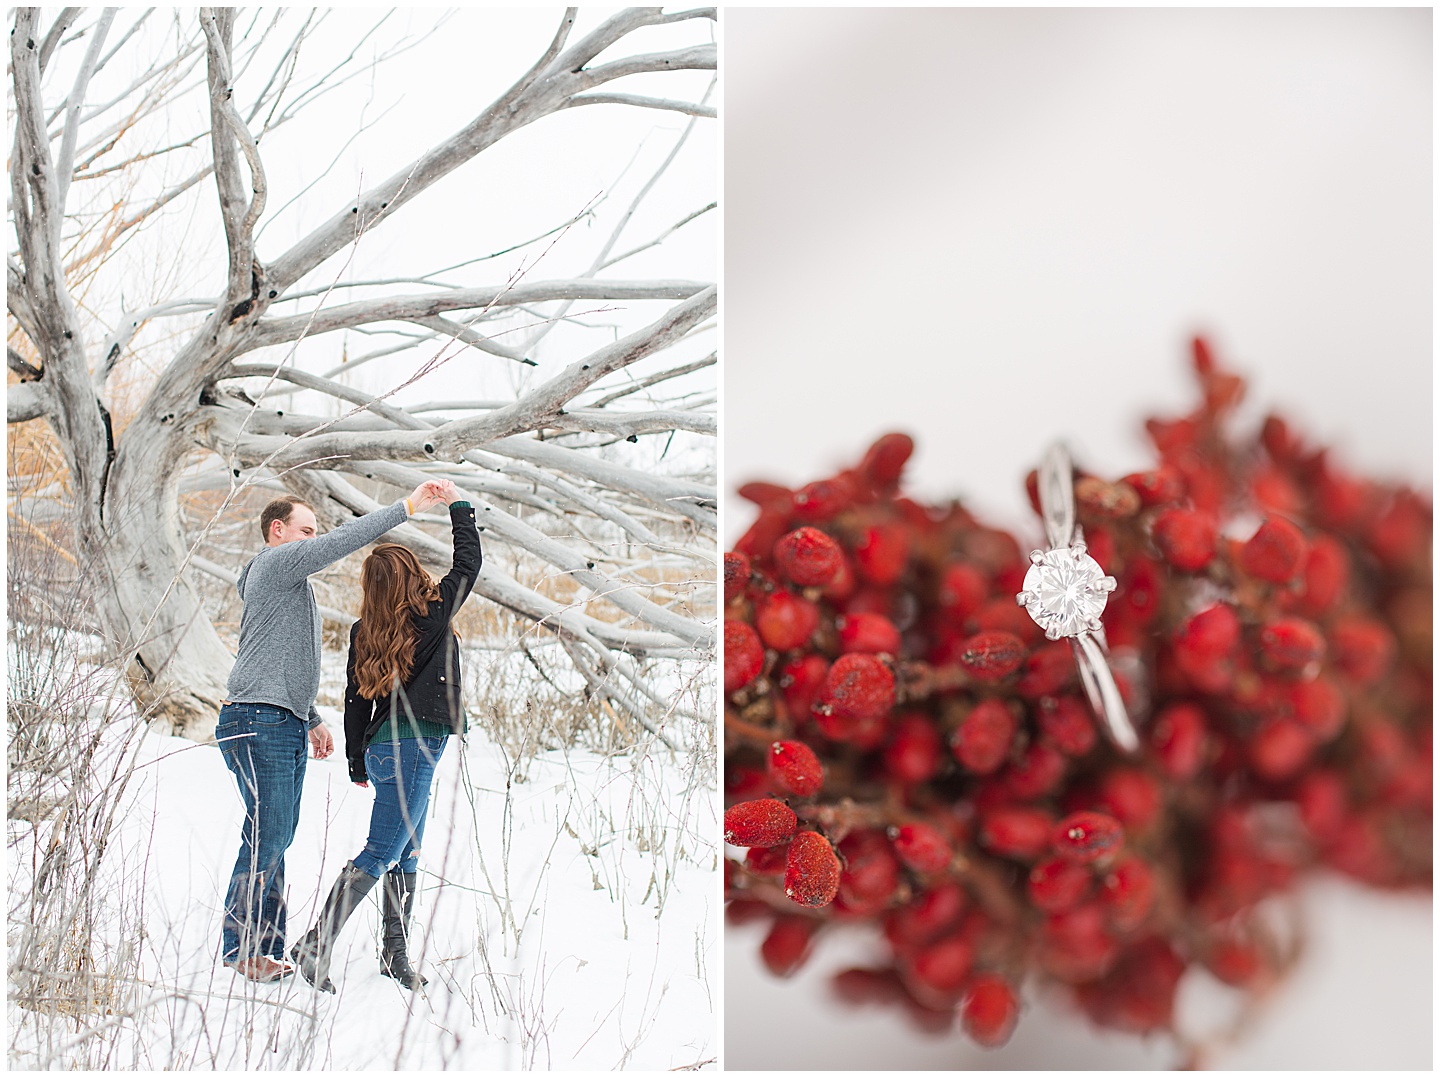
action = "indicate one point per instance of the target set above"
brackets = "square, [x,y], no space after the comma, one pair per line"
[394,958]
[312,953]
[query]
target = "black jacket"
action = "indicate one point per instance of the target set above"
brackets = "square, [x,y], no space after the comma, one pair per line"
[434,690]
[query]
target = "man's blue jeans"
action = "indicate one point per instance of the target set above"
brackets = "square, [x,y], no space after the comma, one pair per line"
[400,772]
[264,746]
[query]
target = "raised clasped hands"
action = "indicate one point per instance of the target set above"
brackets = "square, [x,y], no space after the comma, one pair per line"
[432,492]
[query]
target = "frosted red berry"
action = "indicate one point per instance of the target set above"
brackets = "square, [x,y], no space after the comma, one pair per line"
[881,554]
[1363,647]
[785,621]
[1342,501]
[1057,884]
[1138,994]
[926,915]
[990,1011]
[842,586]
[885,460]
[1087,837]
[737,575]
[1291,644]
[1161,486]
[795,769]
[913,754]
[1127,891]
[812,871]
[992,655]
[1000,615]
[944,964]
[981,742]
[1077,945]
[1323,803]
[1276,552]
[1015,831]
[1178,739]
[766,495]
[822,500]
[1048,670]
[1279,440]
[759,541]
[1236,962]
[1325,576]
[1095,499]
[1206,645]
[1131,795]
[801,680]
[1317,705]
[859,986]
[1185,538]
[859,687]
[1037,773]
[765,822]
[963,589]
[1400,534]
[1279,748]
[869,873]
[921,848]
[808,557]
[1137,600]
[872,634]
[1275,492]
[1171,436]
[1066,723]
[744,656]
[787,945]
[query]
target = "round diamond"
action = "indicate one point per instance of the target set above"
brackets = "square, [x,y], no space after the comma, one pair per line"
[1065,591]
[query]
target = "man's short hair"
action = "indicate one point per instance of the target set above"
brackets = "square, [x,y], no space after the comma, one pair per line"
[280,510]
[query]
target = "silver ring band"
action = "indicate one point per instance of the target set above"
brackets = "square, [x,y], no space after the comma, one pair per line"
[1065,592]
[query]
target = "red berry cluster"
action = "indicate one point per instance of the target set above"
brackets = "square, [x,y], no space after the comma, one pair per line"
[905,749]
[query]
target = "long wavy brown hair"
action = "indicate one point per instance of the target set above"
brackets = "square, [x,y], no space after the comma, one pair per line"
[393,585]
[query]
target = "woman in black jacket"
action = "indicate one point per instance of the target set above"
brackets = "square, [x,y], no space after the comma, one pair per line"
[402,702]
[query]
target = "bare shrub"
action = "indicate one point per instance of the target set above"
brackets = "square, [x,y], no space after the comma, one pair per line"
[74,913]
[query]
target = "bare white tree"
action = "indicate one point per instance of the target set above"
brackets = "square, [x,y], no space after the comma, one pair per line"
[538,455]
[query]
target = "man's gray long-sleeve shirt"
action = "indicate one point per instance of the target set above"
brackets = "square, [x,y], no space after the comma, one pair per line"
[279,658]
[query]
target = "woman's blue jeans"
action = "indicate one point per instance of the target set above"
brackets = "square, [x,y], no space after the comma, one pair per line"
[400,772]
[264,747]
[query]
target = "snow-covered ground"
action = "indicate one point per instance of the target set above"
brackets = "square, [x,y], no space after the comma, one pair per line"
[566,920]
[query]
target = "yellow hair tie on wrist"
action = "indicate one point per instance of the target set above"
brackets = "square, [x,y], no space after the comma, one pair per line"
[409,509]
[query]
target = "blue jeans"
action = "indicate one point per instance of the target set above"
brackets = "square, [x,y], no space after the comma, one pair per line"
[264,747]
[400,771]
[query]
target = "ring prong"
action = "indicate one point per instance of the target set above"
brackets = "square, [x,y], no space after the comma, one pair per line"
[1078,549]
[1022,599]
[1036,557]
[1052,633]
[1107,584]
[1094,625]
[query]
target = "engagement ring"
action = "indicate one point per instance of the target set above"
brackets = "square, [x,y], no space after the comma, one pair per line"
[1065,593]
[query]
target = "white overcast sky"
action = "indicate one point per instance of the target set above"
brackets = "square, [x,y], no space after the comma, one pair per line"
[996,227]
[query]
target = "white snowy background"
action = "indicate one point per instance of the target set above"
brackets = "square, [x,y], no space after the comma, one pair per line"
[993,228]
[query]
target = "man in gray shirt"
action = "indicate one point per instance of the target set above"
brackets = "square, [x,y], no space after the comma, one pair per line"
[261,730]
